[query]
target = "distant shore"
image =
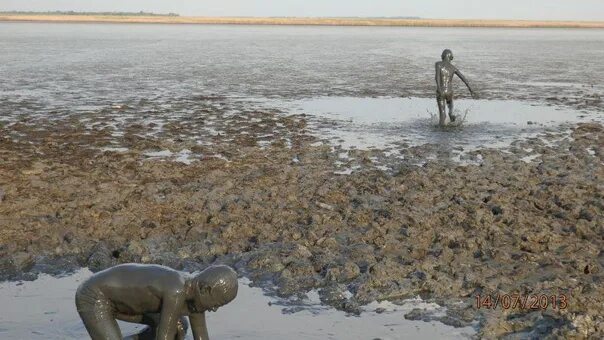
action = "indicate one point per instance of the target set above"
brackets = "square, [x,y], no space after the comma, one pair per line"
[85,18]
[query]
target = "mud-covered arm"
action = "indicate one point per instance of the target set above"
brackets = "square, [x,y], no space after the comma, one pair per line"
[465,81]
[198,326]
[172,305]
[439,85]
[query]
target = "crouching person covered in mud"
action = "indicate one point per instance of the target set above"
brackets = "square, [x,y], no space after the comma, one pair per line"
[156,296]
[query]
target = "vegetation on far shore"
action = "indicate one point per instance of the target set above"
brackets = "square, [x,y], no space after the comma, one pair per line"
[142,17]
[120,14]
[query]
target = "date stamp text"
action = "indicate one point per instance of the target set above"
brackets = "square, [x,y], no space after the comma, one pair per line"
[522,302]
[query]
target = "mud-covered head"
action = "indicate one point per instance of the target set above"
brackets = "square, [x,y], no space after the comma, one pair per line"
[447,55]
[214,287]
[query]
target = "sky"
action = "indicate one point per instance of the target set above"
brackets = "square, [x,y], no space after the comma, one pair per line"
[446,9]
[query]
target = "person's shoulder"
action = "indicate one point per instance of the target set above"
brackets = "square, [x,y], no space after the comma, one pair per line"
[135,273]
[137,267]
[173,282]
[164,280]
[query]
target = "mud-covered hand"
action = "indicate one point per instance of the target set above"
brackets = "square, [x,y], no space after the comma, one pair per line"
[181,328]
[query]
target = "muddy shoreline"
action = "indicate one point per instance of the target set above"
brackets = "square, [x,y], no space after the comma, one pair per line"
[266,199]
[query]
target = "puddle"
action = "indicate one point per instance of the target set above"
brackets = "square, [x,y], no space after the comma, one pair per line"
[401,110]
[44,309]
[365,123]
[114,149]
[530,158]
[184,156]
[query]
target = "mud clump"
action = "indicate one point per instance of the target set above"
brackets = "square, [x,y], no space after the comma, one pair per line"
[274,208]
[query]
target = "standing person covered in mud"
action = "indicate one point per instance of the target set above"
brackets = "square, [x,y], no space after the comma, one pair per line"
[157,296]
[444,86]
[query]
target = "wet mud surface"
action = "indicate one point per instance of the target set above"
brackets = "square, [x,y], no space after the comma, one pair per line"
[155,151]
[263,196]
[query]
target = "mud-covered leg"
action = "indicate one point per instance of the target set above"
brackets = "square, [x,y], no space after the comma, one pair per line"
[451,114]
[147,333]
[152,321]
[101,326]
[442,111]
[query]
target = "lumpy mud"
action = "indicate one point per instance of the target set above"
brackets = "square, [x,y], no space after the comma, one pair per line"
[281,214]
[105,164]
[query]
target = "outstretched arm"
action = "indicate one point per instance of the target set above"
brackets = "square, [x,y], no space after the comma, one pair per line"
[465,81]
[198,326]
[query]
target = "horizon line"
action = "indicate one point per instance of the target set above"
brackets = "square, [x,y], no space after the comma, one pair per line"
[124,17]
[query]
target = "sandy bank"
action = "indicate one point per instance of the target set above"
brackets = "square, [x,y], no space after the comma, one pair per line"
[302,21]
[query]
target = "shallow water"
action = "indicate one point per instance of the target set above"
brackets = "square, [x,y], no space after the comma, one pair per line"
[403,110]
[383,122]
[80,67]
[377,81]
[44,309]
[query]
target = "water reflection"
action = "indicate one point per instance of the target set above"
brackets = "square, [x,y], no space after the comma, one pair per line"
[382,122]
[45,309]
